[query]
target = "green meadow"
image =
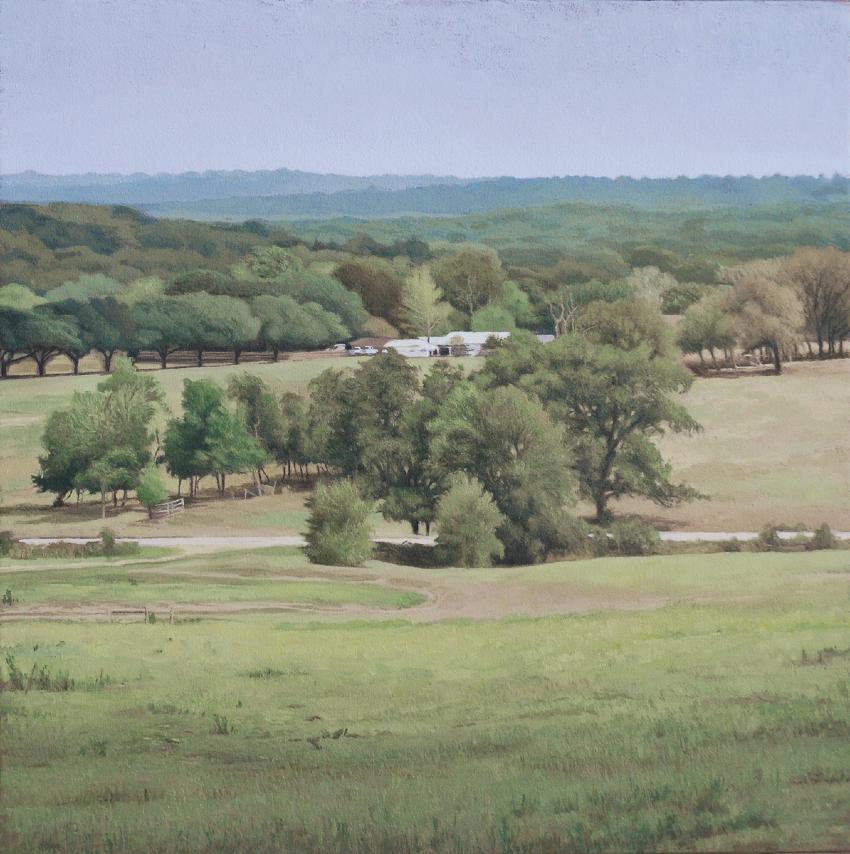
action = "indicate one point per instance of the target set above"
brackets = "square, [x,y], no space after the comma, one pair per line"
[697,702]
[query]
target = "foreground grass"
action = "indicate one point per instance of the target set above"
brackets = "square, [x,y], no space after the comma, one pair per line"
[222,579]
[701,725]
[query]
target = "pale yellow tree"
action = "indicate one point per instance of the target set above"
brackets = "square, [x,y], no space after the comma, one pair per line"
[423,309]
[769,312]
[821,279]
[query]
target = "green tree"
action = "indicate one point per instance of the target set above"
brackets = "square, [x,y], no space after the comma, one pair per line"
[309,287]
[470,278]
[117,417]
[151,489]
[504,438]
[19,297]
[45,334]
[376,283]
[339,531]
[219,323]
[492,318]
[269,262]
[467,519]
[628,324]
[86,287]
[709,325]
[613,404]
[165,324]
[14,340]
[116,469]
[287,325]
[263,415]
[209,439]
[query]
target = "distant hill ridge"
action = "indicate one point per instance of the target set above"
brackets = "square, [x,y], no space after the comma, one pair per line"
[141,188]
[288,194]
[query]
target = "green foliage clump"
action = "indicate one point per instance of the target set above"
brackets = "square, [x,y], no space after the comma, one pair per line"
[339,531]
[6,541]
[468,519]
[823,539]
[768,539]
[633,536]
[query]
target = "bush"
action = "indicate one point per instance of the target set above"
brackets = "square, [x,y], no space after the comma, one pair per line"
[468,519]
[107,541]
[5,543]
[339,532]
[733,545]
[633,537]
[768,539]
[822,539]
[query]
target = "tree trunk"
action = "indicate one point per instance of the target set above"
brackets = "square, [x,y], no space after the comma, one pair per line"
[236,356]
[777,357]
[414,524]
[107,360]
[163,358]
[103,503]
[601,502]
[41,365]
[275,353]
[200,358]
[75,364]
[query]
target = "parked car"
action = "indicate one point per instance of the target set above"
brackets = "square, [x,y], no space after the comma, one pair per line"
[363,351]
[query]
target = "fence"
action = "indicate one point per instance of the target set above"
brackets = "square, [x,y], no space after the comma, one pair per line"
[147,615]
[169,508]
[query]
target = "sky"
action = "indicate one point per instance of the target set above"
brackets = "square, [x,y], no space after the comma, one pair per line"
[469,88]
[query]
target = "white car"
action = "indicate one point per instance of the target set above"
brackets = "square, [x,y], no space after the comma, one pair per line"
[362,351]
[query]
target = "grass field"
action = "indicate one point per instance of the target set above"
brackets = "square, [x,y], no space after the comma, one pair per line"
[774,449]
[693,702]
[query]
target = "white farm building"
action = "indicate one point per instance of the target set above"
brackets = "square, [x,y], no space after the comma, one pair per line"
[451,344]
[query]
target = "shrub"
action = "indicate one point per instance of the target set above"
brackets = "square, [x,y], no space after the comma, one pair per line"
[633,537]
[468,519]
[339,532]
[5,543]
[733,545]
[107,541]
[768,539]
[822,539]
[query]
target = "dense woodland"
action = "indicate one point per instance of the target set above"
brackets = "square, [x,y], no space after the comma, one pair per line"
[770,281]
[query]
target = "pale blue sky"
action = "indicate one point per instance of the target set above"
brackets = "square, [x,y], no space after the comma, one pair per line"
[467,88]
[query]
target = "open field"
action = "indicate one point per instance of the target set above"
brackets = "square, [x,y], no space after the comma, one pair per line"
[774,449]
[692,702]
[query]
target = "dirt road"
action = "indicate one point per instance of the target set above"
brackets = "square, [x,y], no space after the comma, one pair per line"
[201,544]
